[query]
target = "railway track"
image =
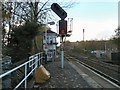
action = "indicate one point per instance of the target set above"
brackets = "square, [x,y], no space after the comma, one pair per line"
[113,83]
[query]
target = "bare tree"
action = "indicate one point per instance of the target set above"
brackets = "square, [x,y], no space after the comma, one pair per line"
[6,20]
[30,11]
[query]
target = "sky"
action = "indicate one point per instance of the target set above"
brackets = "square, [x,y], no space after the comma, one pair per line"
[98,18]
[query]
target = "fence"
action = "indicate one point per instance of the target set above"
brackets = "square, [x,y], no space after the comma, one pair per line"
[34,62]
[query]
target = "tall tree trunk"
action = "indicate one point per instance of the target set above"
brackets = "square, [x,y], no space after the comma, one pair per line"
[35,10]
[9,31]
[36,45]
[3,33]
[0,45]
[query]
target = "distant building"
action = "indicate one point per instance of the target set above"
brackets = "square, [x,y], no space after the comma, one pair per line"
[110,48]
[49,43]
[98,53]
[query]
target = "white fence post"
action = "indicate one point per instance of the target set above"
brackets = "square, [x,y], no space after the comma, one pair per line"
[25,76]
[34,60]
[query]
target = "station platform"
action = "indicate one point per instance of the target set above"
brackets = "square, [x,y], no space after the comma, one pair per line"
[67,77]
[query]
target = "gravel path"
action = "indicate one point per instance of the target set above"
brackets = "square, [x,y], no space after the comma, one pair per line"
[63,78]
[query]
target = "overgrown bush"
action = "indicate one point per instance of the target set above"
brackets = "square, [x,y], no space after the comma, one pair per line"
[20,43]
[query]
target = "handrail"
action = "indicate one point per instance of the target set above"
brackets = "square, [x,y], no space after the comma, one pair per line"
[35,63]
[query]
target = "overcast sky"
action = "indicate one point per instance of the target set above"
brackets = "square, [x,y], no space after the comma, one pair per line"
[99,19]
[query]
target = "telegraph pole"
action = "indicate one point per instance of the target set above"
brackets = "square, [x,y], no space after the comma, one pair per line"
[83,34]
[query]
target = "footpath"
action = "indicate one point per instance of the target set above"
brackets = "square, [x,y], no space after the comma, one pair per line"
[67,77]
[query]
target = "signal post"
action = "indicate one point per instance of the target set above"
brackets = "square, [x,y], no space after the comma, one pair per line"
[62,27]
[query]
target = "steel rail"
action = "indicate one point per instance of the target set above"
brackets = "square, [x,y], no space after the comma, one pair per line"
[114,81]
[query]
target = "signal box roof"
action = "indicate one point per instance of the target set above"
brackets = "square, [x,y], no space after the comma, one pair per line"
[49,31]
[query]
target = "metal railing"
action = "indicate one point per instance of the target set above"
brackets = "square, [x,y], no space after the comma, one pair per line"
[34,62]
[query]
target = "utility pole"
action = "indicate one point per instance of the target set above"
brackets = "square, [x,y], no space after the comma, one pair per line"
[83,34]
[118,26]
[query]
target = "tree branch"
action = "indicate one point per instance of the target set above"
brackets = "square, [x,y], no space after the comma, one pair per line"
[42,7]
